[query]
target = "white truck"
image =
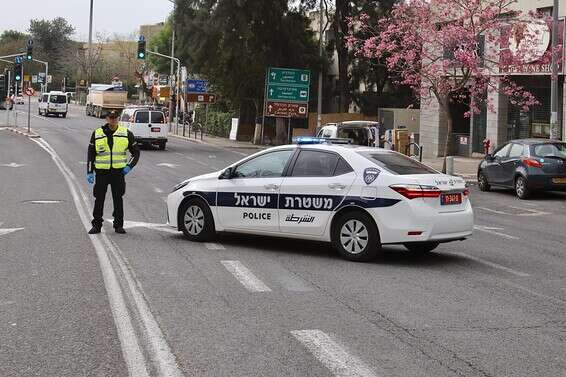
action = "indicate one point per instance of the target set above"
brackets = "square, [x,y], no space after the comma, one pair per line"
[104,98]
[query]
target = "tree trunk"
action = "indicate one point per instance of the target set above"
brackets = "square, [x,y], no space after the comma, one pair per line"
[281,135]
[445,105]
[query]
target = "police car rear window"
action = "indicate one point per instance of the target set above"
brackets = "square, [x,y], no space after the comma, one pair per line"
[398,163]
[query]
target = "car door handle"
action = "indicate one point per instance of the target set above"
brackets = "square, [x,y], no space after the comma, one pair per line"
[336,186]
[271,186]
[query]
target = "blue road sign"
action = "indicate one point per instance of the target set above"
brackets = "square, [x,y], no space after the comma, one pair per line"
[19,59]
[197,86]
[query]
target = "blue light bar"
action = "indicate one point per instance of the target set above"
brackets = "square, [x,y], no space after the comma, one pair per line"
[303,140]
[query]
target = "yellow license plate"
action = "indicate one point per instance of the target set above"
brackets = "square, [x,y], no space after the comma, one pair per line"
[560,181]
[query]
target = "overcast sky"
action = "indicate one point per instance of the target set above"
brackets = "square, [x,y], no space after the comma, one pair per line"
[110,16]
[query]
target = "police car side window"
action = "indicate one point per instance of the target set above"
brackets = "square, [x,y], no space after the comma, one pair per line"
[269,165]
[315,164]
[343,168]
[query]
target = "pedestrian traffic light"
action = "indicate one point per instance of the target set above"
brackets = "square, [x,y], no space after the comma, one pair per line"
[141,47]
[18,72]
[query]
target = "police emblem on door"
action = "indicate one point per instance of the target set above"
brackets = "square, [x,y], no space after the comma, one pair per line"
[370,175]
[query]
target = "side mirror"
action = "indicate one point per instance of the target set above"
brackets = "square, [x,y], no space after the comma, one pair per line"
[489,157]
[227,174]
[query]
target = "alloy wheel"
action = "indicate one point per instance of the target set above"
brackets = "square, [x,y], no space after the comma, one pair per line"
[354,236]
[194,220]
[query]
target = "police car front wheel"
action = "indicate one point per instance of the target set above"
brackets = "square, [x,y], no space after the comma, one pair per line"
[356,237]
[197,223]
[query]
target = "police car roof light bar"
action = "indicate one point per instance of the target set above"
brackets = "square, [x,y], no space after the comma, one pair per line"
[306,140]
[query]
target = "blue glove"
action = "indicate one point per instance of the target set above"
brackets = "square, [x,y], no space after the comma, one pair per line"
[90,178]
[126,170]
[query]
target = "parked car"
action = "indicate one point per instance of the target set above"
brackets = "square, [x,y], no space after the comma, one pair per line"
[360,132]
[147,124]
[19,100]
[527,166]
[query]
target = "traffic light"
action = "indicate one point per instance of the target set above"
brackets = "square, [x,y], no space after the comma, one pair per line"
[141,48]
[29,51]
[18,72]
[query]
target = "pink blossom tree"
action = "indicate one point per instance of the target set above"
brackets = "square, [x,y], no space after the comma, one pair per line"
[436,47]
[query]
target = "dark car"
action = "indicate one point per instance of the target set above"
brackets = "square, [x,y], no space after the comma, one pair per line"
[527,166]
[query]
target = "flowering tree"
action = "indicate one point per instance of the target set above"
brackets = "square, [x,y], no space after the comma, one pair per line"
[453,50]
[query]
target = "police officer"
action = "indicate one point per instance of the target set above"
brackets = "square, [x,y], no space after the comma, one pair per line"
[107,165]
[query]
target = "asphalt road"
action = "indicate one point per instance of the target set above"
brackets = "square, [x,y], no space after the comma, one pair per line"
[493,305]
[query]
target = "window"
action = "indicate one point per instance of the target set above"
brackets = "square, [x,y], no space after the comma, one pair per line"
[343,168]
[503,151]
[516,150]
[550,150]
[142,117]
[315,164]
[398,163]
[58,99]
[125,117]
[359,136]
[269,165]
[157,117]
[327,132]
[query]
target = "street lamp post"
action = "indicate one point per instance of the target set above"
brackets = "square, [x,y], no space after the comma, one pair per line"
[89,64]
[554,76]
[172,70]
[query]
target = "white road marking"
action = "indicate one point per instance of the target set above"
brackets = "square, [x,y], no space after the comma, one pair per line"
[494,230]
[214,246]
[332,355]
[245,276]
[44,201]
[140,224]
[12,165]
[179,154]
[211,156]
[9,230]
[198,161]
[492,264]
[158,190]
[159,351]
[529,212]
[168,165]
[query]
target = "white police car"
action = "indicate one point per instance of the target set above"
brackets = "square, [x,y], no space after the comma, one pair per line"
[358,198]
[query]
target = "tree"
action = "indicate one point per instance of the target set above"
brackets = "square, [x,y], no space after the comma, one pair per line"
[11,42]
[232,42]
[161,43]
[437,49]
[52,42]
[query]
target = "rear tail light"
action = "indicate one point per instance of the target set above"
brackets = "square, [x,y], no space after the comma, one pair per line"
[532,163]
[416,191]
[466,191]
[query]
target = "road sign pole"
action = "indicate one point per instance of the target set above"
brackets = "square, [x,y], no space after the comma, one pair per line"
[289,136]
[263,110]
[29,112]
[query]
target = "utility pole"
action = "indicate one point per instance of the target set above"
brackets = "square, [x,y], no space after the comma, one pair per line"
[89,67]
[320,74]
[172,67]
[554,76]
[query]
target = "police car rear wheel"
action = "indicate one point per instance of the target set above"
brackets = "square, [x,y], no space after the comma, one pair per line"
[197,223]
[355,236]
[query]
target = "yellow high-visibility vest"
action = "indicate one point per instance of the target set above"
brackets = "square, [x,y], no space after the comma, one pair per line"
[115,158]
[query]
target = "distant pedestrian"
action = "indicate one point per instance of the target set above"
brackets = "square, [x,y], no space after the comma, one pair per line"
[107,165]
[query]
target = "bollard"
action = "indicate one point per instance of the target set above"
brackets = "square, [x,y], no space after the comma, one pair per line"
[450,165]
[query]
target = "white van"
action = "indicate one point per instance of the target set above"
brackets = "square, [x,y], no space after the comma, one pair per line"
[53,103]
[147,125]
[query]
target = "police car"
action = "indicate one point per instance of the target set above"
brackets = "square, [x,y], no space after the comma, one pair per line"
[357,198]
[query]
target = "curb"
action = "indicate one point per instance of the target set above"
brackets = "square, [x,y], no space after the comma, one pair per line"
[32,134]
[198,141]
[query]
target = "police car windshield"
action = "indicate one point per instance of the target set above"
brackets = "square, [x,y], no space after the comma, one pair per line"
[397,163]
[58,99]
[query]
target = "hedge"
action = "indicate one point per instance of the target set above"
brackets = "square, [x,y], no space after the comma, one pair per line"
[218,124]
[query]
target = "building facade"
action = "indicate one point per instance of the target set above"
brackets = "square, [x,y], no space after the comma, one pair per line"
[506,121]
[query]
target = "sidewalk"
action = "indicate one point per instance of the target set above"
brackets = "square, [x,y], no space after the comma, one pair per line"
[464,167]
[220,142]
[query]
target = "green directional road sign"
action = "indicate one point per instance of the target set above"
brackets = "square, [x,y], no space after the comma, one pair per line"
[287,76]
[287,93]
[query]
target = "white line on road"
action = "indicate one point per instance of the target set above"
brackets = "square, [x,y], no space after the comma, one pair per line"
[9,230]
[332,355]
[158,190]
[494,230]
[245,276]
[160,352]
[492,264]
[529,212]
[214,246]
[168,165]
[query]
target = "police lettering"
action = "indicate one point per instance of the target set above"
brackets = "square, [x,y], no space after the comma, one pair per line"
[257,215]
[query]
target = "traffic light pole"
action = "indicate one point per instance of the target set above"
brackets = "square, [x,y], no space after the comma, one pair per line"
[176,85]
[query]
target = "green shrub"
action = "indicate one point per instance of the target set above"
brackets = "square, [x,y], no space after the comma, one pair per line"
[218,123]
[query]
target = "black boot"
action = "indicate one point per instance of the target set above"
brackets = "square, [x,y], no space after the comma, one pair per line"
[120,230]
[94,230]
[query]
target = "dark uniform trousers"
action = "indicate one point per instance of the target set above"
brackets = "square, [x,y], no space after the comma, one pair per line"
[117,181]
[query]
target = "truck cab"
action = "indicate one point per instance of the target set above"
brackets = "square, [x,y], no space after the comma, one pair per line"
[55,103]
[147,124]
